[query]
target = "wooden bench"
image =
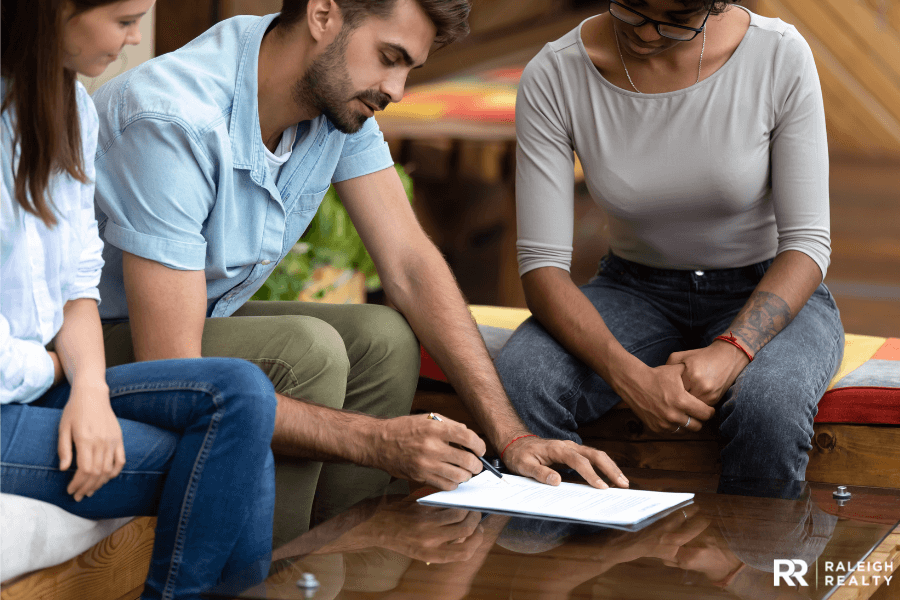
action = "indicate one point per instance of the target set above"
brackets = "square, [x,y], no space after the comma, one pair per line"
[857,430]
[114,569]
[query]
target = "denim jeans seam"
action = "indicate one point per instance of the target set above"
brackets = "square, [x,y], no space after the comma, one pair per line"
[9,465]
[835,351]
[823,387]
[166,386]
[648,344]
[820,391]
[190,492]
[15,436]
[573,390]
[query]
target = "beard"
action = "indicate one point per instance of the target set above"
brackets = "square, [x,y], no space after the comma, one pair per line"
[326,87]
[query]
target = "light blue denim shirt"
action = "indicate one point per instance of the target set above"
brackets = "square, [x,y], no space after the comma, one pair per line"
[182,177]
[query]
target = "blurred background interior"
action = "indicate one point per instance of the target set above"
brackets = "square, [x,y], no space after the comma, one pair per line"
[454,134]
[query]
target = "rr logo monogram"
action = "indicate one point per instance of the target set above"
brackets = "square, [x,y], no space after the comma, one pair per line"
[785,569]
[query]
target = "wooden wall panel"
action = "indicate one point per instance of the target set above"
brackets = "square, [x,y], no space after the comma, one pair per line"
[177,23]
[852,127]
[231,8]
[870,32]
[856,44]
[860,48]
[498,14]
[486,17]
[886,11]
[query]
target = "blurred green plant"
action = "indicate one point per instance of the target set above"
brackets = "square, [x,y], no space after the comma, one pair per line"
[330,239]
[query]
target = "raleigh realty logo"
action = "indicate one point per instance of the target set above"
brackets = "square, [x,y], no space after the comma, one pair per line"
[859,574]
[785,569]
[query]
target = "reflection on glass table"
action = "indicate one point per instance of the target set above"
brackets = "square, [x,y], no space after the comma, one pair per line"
[728,544]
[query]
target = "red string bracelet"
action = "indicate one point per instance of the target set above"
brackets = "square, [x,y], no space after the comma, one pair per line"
[514,439]
[734,342]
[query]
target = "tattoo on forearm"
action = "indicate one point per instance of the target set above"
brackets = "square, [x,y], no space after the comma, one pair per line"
[764,315]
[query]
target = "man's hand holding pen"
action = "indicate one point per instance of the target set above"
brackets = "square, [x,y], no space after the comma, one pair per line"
[418,448]
[443,453]
[487,466]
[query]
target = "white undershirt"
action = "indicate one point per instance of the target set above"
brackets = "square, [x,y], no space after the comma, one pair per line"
[282,152]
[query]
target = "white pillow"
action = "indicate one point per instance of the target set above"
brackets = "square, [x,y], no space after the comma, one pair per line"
[36,535]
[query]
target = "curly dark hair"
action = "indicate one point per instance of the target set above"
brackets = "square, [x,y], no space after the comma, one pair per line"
[451,17]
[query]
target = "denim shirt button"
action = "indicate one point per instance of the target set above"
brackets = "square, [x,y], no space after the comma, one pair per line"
[265,262]
[699,273]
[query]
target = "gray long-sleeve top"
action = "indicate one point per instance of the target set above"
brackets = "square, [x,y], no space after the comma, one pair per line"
[725,173]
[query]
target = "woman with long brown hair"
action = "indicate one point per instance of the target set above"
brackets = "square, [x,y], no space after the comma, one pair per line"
[188,439]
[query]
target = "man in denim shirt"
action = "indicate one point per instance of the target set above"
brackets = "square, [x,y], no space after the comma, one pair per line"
[211,162]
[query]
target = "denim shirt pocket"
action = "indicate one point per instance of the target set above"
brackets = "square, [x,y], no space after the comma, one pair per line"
[298,219]
[308,202]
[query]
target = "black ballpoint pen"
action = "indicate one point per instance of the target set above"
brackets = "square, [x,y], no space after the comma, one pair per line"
[487,465]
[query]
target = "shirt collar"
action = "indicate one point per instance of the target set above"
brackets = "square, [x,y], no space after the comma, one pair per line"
[244,130]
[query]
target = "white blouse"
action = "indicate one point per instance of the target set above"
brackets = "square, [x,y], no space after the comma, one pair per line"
[42,268]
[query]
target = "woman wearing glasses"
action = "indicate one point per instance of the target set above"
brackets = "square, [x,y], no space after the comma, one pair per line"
[701,131]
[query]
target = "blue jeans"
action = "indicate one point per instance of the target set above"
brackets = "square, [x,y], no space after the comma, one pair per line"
[197,437]
[766,417]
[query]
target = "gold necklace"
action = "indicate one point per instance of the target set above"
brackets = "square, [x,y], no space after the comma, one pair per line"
[622,58]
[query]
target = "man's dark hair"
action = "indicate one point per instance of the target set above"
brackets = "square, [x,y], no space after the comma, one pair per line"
[449,16]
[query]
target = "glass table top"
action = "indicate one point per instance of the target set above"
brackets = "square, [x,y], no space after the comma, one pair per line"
[728,543]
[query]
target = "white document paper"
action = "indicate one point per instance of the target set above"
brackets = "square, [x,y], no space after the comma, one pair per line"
[568,501]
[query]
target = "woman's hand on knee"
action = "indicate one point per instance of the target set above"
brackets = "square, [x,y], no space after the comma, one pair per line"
[88,423]
[709,372]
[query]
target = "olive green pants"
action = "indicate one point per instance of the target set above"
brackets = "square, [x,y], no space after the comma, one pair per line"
[357,357]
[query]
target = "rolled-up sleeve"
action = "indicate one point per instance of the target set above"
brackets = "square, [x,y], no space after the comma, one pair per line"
[90,263]
[545,178]
[26,368]
[800,154]
[158,195]
[364,152]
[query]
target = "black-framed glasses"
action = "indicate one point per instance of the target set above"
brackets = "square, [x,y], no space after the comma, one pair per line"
[673,31]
